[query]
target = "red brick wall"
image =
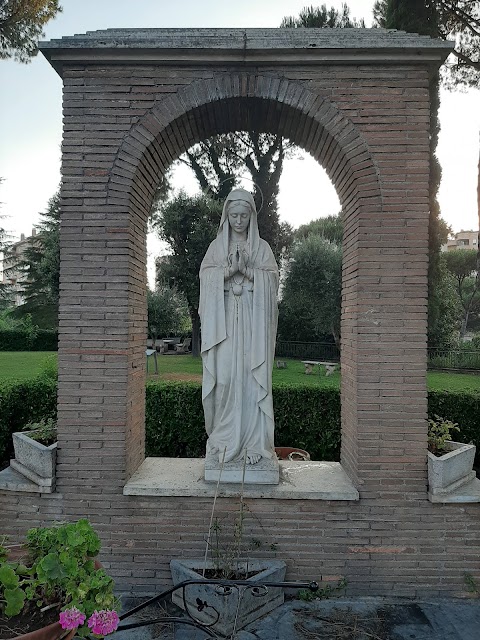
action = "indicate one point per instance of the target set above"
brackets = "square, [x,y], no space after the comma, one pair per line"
[368,126]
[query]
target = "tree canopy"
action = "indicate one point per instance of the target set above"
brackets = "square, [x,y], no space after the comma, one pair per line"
[188,225]
[310,306]
[462,264]
[330,228]
[456,20]
[167,312]
[219,162]
[311,299]
[40,264]
[322,18]
[21,25]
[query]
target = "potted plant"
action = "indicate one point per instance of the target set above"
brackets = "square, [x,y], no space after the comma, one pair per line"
[224,607]
[450,463]
[56,584]
[35,453]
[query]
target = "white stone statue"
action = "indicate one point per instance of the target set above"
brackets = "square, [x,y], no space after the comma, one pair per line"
[238,312]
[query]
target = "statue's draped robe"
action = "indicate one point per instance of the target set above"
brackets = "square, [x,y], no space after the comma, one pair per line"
[238,346]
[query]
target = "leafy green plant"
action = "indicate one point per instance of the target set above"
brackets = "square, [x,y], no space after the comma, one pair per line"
[49,369]
[439,433]
[308,595]
[22,402]
[44,431]
[61,570]
[13,582]
[471,584]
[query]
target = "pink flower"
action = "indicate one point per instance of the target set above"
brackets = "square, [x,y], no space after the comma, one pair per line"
[103,622]
[72,618]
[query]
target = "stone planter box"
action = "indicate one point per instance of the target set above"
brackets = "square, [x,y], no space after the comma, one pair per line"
[34,460]
[452,470]
[252,606]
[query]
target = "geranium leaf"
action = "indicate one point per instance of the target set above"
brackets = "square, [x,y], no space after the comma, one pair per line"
[8,577]
[15,599]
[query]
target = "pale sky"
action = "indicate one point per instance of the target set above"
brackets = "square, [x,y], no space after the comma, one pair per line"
[31,114]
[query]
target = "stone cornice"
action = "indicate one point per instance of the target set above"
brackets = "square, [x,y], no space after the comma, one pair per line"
[272,47]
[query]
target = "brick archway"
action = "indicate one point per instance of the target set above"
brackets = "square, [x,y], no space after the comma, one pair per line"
[267,103]
[358,100]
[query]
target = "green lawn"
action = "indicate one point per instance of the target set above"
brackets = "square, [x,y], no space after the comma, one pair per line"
[26,364]
[441,381]
[19,365]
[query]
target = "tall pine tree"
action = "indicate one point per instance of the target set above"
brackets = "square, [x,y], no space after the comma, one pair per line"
[40,265]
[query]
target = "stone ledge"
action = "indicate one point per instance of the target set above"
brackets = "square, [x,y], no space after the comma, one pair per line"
[466,493]
[11,480]
[299,480]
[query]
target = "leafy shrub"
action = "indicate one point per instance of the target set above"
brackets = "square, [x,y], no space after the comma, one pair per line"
[439,433]
[23,402]
[308,418]
[461,407]
[44,431]
[49,369]
[60,571]
[21,339]
[175,421]
[305,417]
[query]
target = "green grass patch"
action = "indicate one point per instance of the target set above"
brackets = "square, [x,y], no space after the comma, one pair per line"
[442,381]
[186,368]
[21,365]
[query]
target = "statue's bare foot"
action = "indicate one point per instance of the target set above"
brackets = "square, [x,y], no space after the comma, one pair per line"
[253,458]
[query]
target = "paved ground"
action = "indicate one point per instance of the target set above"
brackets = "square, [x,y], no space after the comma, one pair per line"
[337,619]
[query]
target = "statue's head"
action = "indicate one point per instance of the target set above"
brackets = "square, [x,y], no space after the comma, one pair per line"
[239,212]
[239,207]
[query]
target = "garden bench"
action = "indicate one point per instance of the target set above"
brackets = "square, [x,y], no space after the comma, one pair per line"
[310,364]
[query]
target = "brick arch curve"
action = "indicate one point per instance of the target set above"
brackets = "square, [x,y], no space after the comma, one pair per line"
[265,103]
[242,101]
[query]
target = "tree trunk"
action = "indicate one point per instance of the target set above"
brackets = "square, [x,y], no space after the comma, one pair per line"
[195,318]
[335,334]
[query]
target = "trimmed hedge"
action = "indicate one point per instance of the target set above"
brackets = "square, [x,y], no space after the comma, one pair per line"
[21,340]
[305,417]
[174,424]
[22,402]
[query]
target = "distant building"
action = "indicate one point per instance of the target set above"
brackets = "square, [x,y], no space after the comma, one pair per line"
[9,272]
[462,240]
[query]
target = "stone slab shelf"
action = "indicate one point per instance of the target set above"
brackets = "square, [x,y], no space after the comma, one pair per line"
[11,480]
[299,480]
[469,492]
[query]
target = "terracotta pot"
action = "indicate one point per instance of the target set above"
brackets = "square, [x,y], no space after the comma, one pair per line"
[291,453]
[51,632]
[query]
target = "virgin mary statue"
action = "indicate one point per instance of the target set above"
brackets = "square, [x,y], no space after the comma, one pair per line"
[238,312]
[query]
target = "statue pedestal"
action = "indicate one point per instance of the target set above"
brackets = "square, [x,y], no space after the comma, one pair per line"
[264,472]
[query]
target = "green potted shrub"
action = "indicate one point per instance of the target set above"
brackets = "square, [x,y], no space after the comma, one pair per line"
[57,578]
[35,453]
[450,463]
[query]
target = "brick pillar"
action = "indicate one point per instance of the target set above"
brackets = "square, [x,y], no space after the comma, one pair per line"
[384,325]
[102,323]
